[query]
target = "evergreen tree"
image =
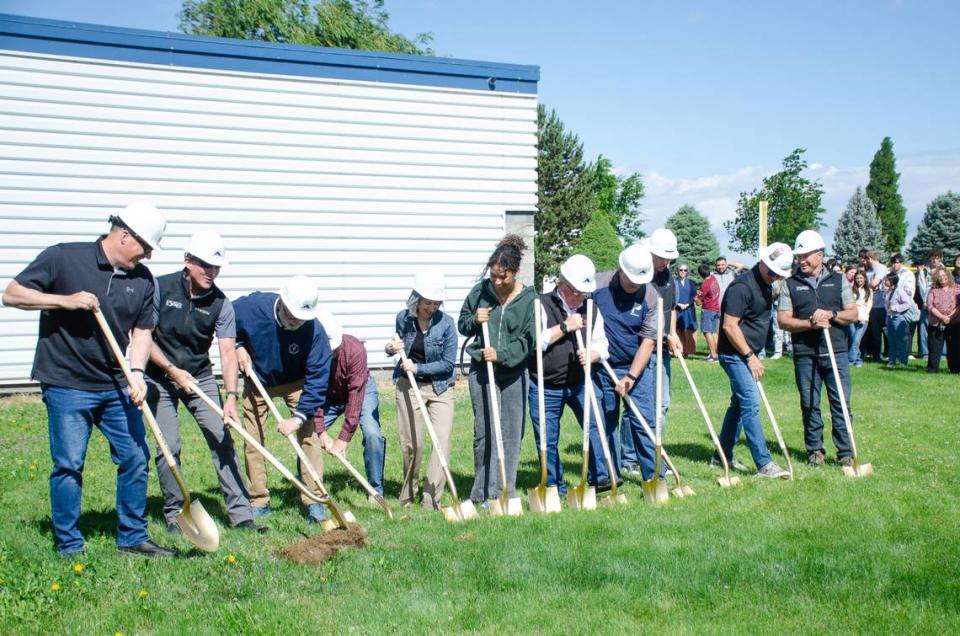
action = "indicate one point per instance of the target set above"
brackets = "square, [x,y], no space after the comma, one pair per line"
[345,24]
[695,240]
[600,243]
[619,197]
[794,207]
[858,229]
[883,191]
[566,196]
[940,227]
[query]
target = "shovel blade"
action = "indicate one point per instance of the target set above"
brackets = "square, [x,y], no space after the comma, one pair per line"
[494,508]
[552,499]
[515,507]
[582,498]
[687,490]
[621,498]
[655,491]
[858,470]
[468,510]
[198,527]
[678,492]
[536,499]
[450,514]
[613,500]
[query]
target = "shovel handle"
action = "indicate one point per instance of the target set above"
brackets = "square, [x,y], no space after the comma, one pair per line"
[843,398]
[250,439]
[541,400]
[495,413]
[776,428]
[591,397]
[706,415]
[147,414]
[658,416]
[428,423]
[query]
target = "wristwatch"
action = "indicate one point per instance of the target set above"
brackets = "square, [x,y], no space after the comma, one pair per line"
[834,315]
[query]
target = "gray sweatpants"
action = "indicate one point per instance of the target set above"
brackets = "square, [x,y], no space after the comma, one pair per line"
[163,397]
[512,398]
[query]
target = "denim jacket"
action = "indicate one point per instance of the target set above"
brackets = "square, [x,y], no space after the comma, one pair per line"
[439,344]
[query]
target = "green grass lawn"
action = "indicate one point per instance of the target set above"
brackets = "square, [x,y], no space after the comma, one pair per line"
[821,554]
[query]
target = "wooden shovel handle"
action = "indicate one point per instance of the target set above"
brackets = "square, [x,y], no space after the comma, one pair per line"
[495,414]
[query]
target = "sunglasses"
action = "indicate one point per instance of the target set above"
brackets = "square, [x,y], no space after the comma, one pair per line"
[682,270]
[205,265]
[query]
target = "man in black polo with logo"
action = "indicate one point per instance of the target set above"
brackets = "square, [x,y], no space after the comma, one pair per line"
[818,299]
[192,311]
[745,321]
[82,384]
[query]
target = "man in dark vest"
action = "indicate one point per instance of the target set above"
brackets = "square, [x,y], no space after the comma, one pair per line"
[563,313]
[192,311]
[818,299]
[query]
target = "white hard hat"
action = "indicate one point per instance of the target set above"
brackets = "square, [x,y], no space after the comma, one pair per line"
[808,241]
[663,243]
[299,295]
[637,263]
[208,247]
[145,221]
[580,272]
[778,257]
[430,285]
[332,326]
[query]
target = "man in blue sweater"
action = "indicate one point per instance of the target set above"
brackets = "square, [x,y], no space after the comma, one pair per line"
[279,339]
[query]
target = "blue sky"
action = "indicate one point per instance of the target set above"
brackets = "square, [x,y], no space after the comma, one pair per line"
[704,98]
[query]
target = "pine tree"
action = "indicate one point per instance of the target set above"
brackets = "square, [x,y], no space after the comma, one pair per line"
[794,206]
[619,197]
[695,240]
[940,227]
[858,229]
[883,191]
[566,196]
[600,243]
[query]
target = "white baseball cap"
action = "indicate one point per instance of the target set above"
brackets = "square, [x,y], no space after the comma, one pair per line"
[663,243]
[778,257]
[580,272]
[430,285]
[808,241]
[208,247]
[299,295]
[144,220]
[332,326]
[637,263]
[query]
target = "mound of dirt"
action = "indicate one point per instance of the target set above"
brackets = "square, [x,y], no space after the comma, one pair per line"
[316,550]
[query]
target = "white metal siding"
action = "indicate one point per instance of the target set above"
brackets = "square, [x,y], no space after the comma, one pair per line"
[356,184]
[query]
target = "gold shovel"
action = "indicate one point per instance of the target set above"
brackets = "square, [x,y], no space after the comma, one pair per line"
[655,489]
[193,520]
[504,505]
[776,429]
[726,480]
[340,518]
[584,496]
[614,497]
[543,498]
[858,469]
[459,510]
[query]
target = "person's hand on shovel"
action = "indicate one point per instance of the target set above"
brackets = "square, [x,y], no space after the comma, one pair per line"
[821,319]
[331,445]
[674,344]
[409,366]
[230,409]
[483,315]
[755,366]
[489,354]
[81,300]
[244,361]
[138,388]
[181,378]
[289,425]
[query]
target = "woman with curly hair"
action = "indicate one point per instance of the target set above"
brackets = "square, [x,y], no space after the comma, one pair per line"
[506,305]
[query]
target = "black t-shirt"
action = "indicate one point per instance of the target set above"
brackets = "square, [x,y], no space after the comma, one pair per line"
[71,350]
[418,354]
[749,298]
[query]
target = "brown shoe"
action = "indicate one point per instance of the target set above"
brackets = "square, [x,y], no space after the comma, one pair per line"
[816,458]
[846,462]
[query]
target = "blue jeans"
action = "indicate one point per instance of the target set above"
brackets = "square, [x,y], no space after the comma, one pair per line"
[554,399]
[810,373]
[743,414]
[71,416]
[898,337]
[853,353]
[374,444]
[637,448]
[922,328]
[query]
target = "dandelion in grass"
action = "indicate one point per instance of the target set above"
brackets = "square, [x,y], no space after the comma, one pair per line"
[142,594]
[231,559]
[55,587]
[78,568]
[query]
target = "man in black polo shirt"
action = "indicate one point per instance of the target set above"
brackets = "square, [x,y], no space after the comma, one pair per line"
[745,320]
[193,310]
[81,382]
[817,299]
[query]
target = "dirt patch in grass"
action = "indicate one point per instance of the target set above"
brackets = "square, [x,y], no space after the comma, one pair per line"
[316,550]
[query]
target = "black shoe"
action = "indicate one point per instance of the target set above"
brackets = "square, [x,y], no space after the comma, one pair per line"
[148,549]
[252,526]
[173,528]
[604,486]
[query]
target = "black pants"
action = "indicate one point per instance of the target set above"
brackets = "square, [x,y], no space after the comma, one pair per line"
[953,348]
[875,333]
[935,340]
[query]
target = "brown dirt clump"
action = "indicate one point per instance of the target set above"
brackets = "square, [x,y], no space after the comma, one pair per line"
[316,550]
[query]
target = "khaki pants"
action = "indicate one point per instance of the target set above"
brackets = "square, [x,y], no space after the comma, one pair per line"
[258,421]
[410,421]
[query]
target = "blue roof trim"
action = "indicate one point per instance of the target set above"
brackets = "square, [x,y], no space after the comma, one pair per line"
[56,37]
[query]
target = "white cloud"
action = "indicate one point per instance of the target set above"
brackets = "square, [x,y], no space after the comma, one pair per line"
[922,177]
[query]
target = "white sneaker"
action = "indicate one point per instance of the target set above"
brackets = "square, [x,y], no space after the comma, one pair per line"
[773,471]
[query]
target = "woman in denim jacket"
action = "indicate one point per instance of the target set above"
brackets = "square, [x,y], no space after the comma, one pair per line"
[429,339]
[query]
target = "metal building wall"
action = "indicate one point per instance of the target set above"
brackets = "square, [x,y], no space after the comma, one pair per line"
[357,184]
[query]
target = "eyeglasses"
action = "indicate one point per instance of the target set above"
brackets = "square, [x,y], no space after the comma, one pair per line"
[682,270]
[199,263]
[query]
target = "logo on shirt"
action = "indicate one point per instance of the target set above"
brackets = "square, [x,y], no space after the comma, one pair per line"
[174,303]
[202,311]
[637,307]
[130,289]
[294,348]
